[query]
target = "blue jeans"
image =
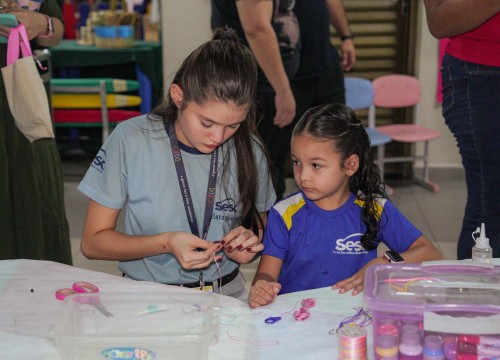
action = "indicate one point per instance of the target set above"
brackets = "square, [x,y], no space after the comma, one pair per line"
[471,108]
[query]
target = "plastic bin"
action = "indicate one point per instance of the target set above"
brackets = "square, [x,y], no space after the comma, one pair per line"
[453,307]
[143,326]
[119,36]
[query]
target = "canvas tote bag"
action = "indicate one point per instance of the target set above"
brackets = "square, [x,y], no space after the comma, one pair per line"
[26,94]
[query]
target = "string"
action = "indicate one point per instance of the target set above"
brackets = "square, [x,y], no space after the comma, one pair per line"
[299,315]
[220,275]
[235,315]
[362,318]
[254,342]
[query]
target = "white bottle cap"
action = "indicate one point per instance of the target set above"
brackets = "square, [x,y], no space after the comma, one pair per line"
[482,241]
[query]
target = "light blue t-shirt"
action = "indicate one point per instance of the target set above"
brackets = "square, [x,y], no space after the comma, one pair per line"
[134,170]
[319,247]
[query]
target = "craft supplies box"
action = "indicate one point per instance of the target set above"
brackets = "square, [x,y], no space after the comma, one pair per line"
[452,306]
[143,326]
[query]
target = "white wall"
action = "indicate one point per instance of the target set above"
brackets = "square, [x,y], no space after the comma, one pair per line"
[186,24]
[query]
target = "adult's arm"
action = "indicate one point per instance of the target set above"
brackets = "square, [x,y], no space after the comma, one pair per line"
[447,18]
[338,19]
[255,17]
[100,240]
[36,27]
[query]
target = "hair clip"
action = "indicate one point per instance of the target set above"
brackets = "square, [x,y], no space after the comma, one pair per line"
[272,319]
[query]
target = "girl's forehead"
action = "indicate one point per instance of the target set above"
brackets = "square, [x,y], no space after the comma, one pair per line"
[221,112]
[306,137]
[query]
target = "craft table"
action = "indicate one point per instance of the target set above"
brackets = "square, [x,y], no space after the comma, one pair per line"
[27,317]
[146,56]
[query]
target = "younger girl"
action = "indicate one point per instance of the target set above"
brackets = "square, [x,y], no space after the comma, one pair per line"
[328,232]
[192,178]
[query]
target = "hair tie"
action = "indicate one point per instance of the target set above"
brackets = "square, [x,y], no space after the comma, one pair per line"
[225,35]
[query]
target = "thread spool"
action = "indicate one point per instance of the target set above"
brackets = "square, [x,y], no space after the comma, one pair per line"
[352,343]
[410,347]
[433,348]
[388,329]
[386,348]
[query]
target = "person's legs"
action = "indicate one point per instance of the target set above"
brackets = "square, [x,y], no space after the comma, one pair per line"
[471,108]
[274,138]
[485,111]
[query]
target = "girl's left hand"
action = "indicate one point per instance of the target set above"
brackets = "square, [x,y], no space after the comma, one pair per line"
[356,282]
[241,245]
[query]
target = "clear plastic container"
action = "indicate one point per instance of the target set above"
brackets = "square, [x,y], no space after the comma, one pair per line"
[452,303]
[142,326]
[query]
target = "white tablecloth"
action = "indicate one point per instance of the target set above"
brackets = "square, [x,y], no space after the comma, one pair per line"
[29,311]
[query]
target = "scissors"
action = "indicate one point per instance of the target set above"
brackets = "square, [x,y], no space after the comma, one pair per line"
[84,287]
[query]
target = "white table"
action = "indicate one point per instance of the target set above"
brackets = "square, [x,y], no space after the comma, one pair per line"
[27,317]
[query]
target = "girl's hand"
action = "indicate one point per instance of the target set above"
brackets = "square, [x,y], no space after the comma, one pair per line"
[241,245]
[193,252]
[262,293]
[356,282]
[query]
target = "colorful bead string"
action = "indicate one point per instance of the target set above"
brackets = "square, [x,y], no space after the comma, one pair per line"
[303,313]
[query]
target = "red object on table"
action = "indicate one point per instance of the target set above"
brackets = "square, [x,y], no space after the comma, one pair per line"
[69,20]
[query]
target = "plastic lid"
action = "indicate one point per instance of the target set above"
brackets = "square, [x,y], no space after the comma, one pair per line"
[411,339]
[410,329]
[482,241]
[386,341]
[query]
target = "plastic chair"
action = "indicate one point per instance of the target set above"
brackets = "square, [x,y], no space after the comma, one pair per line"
[359,95]
[81,103]
[399,91]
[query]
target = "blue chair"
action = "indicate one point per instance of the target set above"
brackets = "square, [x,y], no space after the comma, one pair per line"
[359,95]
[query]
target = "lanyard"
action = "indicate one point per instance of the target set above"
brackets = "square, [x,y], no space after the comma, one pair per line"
[183,184]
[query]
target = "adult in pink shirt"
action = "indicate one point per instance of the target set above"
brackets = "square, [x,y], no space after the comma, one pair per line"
[471,105]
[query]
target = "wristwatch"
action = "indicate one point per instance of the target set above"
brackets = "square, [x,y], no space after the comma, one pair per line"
[50,28]
[346,37]
[394,257]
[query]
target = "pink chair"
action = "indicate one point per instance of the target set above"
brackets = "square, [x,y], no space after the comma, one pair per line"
[398,91]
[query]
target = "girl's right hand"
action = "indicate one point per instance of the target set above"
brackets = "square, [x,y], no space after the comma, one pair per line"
[262,293]
[191,251]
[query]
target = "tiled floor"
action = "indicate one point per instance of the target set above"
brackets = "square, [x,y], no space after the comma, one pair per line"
[438,215]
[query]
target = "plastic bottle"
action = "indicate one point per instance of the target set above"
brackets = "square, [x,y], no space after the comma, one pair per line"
[433,348]
[482,251]
[410,347]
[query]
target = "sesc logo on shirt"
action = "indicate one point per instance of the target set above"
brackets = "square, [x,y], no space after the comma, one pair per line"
[99,160]
[350,245]
[225,210]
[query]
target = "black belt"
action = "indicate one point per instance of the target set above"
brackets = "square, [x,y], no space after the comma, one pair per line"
[226,279]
